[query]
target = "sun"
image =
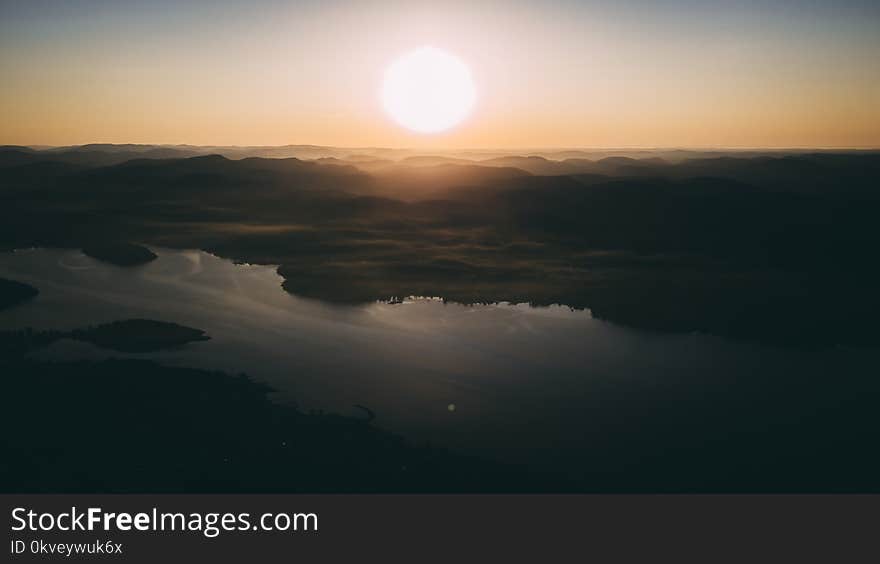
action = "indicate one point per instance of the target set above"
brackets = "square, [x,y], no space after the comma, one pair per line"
[428,90]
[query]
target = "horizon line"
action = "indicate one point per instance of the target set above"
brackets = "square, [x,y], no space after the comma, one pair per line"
[40,146]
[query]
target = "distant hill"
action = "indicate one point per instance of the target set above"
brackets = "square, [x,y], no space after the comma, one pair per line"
[85,156]
[433,181]
[776,247]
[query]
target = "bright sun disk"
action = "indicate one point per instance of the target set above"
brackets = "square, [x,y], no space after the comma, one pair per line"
[428,90]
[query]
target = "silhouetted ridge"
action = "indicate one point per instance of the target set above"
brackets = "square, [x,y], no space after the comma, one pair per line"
[758,239]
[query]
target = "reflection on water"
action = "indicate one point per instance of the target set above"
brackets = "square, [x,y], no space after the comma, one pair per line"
[526,383]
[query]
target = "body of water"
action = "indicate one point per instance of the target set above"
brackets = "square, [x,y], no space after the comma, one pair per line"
[542,386]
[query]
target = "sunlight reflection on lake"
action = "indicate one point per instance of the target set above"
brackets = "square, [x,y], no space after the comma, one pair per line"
[508,380]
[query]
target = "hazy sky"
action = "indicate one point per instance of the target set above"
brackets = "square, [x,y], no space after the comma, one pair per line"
[548,73]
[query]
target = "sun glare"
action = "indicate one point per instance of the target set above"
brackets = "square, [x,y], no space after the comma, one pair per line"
[428,90]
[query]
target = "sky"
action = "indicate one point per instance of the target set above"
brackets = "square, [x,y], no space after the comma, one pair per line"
[551,73]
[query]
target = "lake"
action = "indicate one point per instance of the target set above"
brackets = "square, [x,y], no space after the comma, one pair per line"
[544,386]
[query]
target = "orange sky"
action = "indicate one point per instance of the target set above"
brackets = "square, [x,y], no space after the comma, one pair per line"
[553,74]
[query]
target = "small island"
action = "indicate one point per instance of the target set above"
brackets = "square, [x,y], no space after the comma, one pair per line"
[120,254]
[128,335]
[138,335]
[13,293]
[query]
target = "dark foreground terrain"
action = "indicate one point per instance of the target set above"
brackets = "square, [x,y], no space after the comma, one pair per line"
[136,426]
[132,425]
